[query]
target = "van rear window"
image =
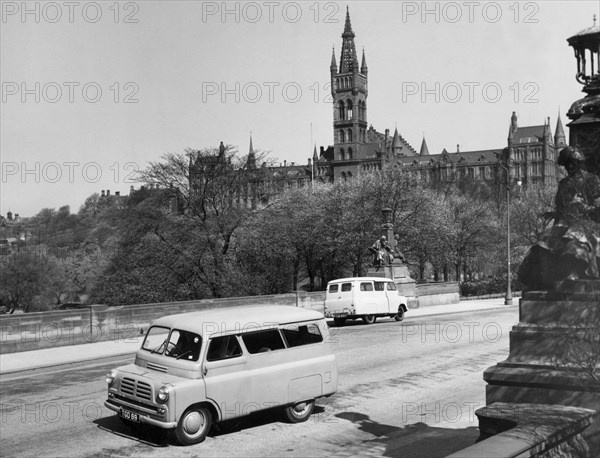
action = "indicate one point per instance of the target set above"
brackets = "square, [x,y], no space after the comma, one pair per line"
[346,287]
[379,286]
[263,341]
[333,288]
[305,334]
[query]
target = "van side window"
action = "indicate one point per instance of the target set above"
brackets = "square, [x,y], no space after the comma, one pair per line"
[379,285]
[261,341]
[366,287]
[296,335]
[346,287]
[333,288]
[391,286]
[223,348]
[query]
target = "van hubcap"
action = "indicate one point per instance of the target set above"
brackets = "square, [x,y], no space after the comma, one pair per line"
[300,407]
[193,423]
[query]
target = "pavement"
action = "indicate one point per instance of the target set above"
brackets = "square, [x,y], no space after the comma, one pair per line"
[59,358]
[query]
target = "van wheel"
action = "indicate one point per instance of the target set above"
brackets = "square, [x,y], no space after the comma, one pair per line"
[339,321]
[193,426]
[400,315]
[299,412]
[369,319]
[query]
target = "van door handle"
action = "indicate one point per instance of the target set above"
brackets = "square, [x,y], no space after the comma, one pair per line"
[205,370]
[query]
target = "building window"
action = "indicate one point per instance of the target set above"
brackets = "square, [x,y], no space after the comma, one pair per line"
[342,110]
[349,135]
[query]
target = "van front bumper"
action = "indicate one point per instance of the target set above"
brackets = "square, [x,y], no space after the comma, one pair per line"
[143,417]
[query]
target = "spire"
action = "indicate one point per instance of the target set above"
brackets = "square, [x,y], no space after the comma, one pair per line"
[315,155]
[424,150]
[348,25]
[396,144]
[333,66]
[363,65]
[559,134]
[348,59]
[251,162]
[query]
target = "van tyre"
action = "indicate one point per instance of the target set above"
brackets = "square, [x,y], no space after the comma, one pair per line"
[369,319]
[193,426]
[299,412]
[400,315]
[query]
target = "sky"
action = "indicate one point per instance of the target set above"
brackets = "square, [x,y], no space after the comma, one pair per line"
[94,90]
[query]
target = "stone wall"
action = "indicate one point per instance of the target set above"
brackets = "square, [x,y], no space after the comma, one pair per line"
[510,430]
[95,323]
[442,293]
[32,331]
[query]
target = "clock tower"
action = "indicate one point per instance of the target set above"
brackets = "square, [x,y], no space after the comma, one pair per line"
[349,92]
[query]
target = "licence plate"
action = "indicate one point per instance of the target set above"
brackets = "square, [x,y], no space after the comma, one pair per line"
[131,416]
[340,315]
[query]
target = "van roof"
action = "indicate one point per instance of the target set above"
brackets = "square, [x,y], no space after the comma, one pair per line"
[340,280]
[228,319]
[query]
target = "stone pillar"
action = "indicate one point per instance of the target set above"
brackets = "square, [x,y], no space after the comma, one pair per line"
[553,350]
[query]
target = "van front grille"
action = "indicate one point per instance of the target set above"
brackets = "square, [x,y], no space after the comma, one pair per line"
[136,388]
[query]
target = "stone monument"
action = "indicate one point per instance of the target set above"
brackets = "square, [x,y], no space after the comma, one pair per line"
[388,261]
[554,356]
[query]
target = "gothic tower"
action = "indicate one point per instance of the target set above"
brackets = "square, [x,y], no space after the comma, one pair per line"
[349,92]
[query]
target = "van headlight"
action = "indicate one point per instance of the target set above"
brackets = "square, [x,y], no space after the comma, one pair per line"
[163,394]
[110,377]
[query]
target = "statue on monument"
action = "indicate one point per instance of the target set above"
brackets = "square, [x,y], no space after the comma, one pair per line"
[570,249]
[382,252]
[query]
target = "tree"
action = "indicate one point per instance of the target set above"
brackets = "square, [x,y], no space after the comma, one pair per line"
[20,281]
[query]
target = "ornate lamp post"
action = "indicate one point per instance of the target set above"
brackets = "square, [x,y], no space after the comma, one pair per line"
[508,297]
[585,113]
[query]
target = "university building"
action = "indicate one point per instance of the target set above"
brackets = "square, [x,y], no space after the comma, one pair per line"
[359,148]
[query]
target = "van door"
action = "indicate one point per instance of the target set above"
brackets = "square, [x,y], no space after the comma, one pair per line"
[226,376]
[392,294]
[269,369]
[382,298]
[339,298]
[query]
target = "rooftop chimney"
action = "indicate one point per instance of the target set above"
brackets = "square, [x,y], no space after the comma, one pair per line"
[102,195]
[117,193]
[108,192]
[457,148]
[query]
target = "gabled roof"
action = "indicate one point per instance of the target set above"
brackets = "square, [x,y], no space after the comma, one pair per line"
[529,134]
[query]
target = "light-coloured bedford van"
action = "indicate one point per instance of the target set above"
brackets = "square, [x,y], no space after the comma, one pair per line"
[363,297]
[197,368]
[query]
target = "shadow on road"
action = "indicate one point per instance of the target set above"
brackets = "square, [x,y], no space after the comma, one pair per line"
[146,435]
[156,437]
[417,440]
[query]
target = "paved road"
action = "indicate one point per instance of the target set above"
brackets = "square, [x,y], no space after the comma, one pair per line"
[406,389]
